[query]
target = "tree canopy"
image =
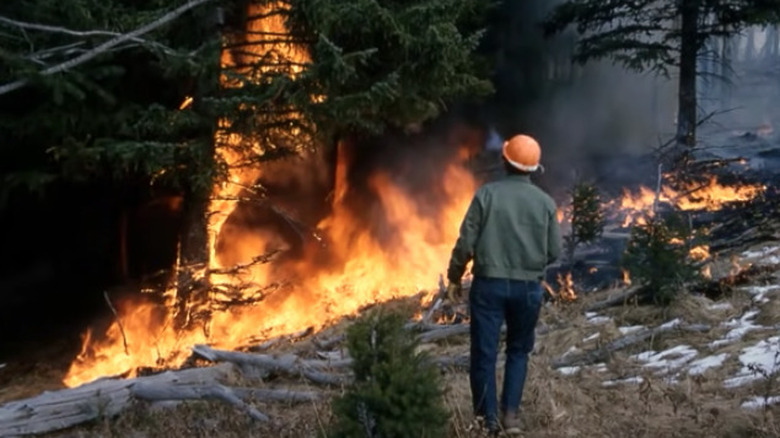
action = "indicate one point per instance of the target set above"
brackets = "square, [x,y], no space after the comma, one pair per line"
[118,115]
[660,36]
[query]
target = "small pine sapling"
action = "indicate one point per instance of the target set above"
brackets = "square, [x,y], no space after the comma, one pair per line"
[587,218]
[397,390]
[658,256]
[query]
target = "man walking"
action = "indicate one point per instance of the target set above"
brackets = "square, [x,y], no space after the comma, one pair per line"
[511,233]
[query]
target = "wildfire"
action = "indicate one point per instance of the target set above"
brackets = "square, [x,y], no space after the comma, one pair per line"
[565,290]
[362,266]
[626,277]
[711,196]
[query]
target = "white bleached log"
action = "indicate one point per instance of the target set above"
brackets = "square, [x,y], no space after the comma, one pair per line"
[443,332]
[56,410]
[152,391]
[289,364]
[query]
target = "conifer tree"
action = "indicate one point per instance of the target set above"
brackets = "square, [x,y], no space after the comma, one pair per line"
[659,36]
[397,391]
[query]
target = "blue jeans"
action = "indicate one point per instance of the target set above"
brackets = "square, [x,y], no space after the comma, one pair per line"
[493,301]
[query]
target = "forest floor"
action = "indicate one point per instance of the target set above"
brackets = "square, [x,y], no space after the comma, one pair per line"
[722,382]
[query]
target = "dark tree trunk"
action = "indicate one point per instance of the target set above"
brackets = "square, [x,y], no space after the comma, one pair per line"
[193,257]
[686,116]
[727,54]
[194,249]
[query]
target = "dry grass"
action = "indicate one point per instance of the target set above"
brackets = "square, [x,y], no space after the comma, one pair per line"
[554,405]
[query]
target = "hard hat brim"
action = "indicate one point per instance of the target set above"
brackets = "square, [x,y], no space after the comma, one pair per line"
[523,167]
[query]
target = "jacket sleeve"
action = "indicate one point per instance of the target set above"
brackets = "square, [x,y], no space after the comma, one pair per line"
[463,251]
[553,237]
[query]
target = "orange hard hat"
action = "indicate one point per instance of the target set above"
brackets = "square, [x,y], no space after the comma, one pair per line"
[523,153]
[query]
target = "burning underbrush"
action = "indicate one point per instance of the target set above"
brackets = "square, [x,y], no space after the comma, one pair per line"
[388,228]
[702,368]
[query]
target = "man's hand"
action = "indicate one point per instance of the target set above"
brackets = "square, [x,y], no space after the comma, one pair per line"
[454,292]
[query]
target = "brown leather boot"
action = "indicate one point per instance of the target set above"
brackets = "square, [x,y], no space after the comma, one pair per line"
[510,421]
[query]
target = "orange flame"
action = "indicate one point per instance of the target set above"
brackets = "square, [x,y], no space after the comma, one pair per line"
[361,269]
[712,196]
[626,277]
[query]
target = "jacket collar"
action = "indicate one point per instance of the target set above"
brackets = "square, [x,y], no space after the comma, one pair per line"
[521,178]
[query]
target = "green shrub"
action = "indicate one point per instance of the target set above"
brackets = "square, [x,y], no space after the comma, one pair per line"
[397,391]
[658,256]
[587,217]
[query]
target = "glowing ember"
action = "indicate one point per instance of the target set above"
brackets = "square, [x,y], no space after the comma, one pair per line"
[361,266]
[700,252]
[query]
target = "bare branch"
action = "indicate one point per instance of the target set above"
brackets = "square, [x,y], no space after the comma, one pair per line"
[97,51]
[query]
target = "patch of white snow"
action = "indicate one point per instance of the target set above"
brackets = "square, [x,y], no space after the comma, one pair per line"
[591,337]
[760,402]
[759,292]
[667,360]
[741,327]
[699,366]
[720,306]
[630,329]
[765,355]
[568,371]
[671,324]
[636,379]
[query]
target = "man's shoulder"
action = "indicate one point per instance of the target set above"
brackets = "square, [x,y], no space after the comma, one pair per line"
[508,184]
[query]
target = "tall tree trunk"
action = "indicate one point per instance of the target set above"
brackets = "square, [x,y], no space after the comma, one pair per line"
[686,106]
[750,44]
[193,256]
[726,57]
[194,251]
[769,50]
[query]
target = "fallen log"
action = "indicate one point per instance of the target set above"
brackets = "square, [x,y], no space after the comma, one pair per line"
[289,364]
[152,391]
[614,300]
[56,410]
[442,332]
[602,354]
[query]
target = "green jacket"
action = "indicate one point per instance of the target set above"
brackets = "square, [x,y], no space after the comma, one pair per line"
[510,231]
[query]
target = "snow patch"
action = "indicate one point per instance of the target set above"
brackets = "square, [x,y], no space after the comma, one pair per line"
[594,318]
[667,360]
[760,402]
[760,292]
[721,306]
[630,329]
[568,371]
[765,355]
[763,252]
[591,337]
[671,324]
[741,327]
[636,379]
[699,366]
[764,256]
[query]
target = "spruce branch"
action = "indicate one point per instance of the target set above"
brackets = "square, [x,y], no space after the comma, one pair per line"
[97,51]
